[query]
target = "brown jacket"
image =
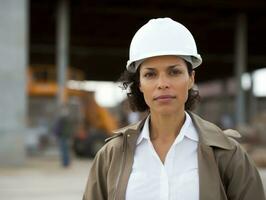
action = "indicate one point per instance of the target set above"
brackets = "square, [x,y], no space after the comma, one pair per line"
[225,170]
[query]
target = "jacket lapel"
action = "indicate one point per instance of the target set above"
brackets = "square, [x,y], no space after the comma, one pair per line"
[209,177]
[130,135]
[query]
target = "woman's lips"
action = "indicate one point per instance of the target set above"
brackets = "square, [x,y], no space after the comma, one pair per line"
[164,97]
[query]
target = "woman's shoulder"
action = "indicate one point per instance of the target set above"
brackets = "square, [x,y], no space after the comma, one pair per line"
[114,142]
[236,154]
[117,140]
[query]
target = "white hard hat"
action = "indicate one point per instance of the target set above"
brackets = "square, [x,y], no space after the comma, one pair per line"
[162,36]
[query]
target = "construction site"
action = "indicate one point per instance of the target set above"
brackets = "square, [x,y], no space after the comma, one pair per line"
[61,60]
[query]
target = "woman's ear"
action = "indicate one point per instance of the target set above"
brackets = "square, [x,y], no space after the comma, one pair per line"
[138,74]
[192,79]
[140,88]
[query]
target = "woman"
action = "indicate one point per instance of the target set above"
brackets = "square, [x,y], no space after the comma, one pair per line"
[173,153]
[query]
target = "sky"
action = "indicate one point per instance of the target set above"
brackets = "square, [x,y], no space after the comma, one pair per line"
[107,94]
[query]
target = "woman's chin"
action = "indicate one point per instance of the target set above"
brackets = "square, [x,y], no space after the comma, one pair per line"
[166,111]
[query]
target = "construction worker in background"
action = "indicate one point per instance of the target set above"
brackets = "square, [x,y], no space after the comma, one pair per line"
[173,153]
[63,131]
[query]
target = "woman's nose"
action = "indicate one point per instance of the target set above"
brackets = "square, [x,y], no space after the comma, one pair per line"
[163,82]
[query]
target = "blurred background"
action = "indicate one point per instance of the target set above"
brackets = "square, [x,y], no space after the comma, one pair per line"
[60,62]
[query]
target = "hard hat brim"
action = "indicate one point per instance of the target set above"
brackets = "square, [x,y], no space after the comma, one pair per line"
[132,65]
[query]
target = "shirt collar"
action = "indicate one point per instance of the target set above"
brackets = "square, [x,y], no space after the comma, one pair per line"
[145,132]
[208,133]
[191,131]
[188,130]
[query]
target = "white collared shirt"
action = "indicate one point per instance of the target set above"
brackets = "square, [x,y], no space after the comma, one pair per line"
[175,179]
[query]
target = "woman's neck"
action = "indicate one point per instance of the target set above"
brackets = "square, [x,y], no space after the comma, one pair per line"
[166,127]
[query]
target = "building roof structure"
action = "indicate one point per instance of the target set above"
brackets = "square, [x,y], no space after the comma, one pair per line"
[101,31]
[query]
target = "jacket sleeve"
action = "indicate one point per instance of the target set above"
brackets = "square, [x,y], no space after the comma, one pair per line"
[96,184]
[242,179]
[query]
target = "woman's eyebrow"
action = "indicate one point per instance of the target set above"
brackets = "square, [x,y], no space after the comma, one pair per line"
[173,66]
[149,68]
[168,67]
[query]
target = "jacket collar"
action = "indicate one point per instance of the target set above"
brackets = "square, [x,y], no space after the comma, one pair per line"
[209,133]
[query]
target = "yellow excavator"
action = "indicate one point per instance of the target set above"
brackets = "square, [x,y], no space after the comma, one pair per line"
[94,124]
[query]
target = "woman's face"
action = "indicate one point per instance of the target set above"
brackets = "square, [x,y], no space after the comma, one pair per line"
[164,82]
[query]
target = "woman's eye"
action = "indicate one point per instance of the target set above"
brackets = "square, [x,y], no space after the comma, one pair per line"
[149,74]
[175,72]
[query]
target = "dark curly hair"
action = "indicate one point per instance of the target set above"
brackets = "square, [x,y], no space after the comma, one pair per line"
[130,82]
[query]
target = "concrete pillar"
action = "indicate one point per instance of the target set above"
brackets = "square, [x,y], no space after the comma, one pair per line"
[62,47]
[253,104]
[13,64]
[240,66]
